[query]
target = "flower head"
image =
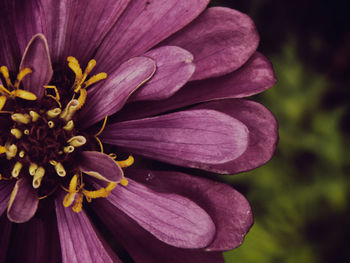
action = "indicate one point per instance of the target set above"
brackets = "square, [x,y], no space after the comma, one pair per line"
[87,88]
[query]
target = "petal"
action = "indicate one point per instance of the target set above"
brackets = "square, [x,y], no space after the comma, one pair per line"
[221,40]
[171,218]
[5,192]
[100,166]
[228,208]
[109,96]
[37,58]
[254,77]
[37,240]
[263,134]
[143,25]
[23,202]
[79,240]
[144,247]
[174,69]
[189,138]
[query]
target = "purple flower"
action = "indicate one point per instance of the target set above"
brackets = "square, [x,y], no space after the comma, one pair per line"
[83,82]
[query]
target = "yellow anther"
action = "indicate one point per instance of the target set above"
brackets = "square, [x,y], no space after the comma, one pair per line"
[70,109]
[73,184]
[82,98]
[17,133]
[95,78]
[4,91]
[68,149]
[78,205]
[53,113]
[99,143]
[53,162]
[2,149]
[90,66]
[103,126]
[23,72]
[73,64]
[32,168]
[2,102]
[57,95]
[124,182]
[23,94]
[38,176]
[69,199]
[60,169]
[51,124]
[113,156]
[21,154]
[69,126]
[35,116]
[16,169]
[11,151]
[5,72]
[126,163]
[102,192]
[21,118]
[77,141]
[26,132]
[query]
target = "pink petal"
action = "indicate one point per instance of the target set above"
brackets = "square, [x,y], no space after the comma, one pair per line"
[221,40]
[188,138]
[5,192]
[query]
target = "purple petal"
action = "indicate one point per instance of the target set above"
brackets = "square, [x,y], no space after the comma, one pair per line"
[5,192]
[79,240]
[36,240]
[189,138]
[109,96]
[174,69]
[254,77]
[23,202]
[144,247]
[143,25]
[5,230]
[221,40]
[100,166]
[37,58]
[263,134]
[229,209]
[171,218]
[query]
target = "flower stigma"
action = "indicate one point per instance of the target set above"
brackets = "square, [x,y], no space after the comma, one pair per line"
[42,143]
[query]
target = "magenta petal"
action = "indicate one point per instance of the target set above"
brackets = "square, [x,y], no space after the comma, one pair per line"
[229,209]
[79,240]
[190,138]
[110,95]
[37,58]
[144,247]
[174,69]
[100,166]
[171,218]
[221,40]
[263,134]
[23,202]
[143,25]
[5,192]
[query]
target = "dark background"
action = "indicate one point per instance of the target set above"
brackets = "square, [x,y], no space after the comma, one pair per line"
[300,199]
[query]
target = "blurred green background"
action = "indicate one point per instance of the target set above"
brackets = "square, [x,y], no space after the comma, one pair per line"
[300,199]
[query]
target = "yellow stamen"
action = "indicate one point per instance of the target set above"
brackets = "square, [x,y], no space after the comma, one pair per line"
[99,143]
[51,124]
[124,182]
[68,149]
[11,151]
[60,170]
[26,132]
[68,199]
[95,78]
[103,126]
[4,90]
[32,168]
[53,113]
[21,154]
[16,169]
[102,192]
[69,126]
[77,207]
[5,72]
[17,133]
[113,156]
[2,149]
[77,141]
[2,102]
[35,116]
[21,118]
[126,163]
[74,65]
[22,73]
[82,98]
[57,94]
[73,184]
[23,94]
[70,109]
[38,176]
